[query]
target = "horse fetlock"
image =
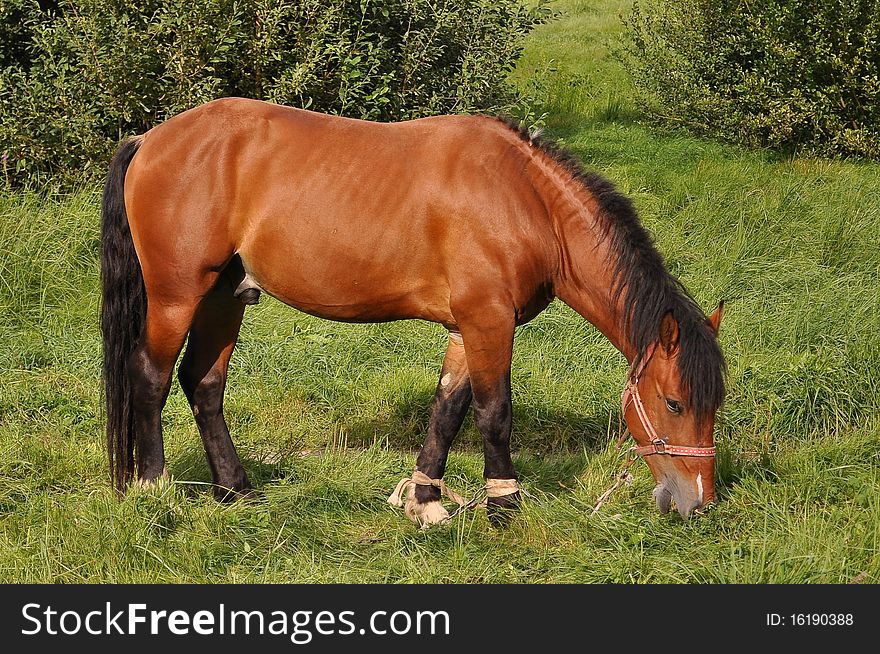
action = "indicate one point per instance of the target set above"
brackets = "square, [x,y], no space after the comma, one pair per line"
[423,493]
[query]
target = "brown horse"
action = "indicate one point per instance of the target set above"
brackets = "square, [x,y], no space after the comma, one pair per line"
[461,220]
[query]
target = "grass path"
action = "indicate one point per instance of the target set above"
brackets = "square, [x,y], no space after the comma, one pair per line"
[328,417]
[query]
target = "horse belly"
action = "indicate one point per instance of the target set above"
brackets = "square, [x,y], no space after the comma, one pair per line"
[342,281]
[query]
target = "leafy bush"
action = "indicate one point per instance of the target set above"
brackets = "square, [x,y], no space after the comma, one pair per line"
[796,74]
[96,70]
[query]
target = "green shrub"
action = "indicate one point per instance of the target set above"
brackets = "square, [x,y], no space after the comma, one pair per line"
[96,70]
[795,74]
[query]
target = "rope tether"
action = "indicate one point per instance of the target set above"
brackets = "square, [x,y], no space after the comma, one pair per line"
[492,488]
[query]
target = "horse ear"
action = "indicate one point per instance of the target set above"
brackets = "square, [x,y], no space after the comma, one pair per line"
[669,334]
[715,319]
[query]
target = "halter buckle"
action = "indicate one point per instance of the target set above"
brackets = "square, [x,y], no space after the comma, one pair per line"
[659,446]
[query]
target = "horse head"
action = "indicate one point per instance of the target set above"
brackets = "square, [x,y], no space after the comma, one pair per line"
[672,419]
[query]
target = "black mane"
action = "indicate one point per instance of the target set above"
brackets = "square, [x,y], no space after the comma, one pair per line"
[649,292]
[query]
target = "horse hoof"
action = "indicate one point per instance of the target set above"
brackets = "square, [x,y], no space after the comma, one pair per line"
[160,482]
[501,510]
[227,495]
[426,514]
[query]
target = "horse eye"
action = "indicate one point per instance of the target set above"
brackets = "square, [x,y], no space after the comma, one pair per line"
[673,406]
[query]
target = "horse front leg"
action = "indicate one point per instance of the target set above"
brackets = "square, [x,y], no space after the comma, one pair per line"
[448,409]
[488,341]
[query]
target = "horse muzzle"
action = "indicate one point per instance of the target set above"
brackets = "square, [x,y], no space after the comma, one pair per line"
[689,493]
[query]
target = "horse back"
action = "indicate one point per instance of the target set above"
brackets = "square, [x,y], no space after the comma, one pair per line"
[343,218]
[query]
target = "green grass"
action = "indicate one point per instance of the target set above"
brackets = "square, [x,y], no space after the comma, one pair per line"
[328,417]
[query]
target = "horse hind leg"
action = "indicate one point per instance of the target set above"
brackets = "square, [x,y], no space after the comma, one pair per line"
[448,409]
[149,368]
[203,373]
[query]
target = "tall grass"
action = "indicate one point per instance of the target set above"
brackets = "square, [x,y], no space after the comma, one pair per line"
[328,417]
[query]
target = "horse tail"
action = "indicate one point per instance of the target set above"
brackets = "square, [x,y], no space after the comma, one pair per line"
[123,312]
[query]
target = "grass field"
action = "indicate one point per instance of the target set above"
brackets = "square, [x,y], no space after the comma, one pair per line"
[328,417]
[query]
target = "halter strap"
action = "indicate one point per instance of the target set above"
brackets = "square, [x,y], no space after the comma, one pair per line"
[657,444]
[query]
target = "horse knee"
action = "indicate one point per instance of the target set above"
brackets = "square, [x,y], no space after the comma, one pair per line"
[494,420]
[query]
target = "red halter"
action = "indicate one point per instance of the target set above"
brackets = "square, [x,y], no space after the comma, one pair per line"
[658,445]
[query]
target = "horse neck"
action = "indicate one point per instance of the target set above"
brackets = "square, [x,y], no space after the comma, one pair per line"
[585,277]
